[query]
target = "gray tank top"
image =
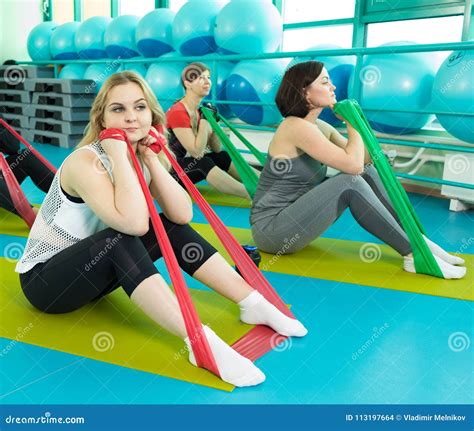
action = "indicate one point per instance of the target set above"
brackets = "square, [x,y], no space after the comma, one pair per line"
[282,182]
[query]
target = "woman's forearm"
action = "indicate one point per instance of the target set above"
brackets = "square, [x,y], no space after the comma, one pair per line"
[172,198]
[127,191]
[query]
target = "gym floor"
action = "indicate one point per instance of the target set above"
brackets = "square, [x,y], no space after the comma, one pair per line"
[410,360]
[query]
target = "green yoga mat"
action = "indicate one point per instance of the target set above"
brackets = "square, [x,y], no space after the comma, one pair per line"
[217,198]
[114,330]
[338,260]
[353,262]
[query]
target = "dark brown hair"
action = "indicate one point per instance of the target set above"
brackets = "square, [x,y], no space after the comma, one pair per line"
[291,96]
[193,71]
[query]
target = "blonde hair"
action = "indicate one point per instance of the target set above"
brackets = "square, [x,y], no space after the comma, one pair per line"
[96,116]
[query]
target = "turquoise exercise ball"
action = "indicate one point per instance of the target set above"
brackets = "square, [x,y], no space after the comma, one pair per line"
[119,37]
[154,33]
[398,81]
[39,39]
[164,79]
[90,38]
[140,68]
[453,91]
[339,69]
[256,81]
[62,43]
[248,27]
[193,27]
[99,72]
[73,71]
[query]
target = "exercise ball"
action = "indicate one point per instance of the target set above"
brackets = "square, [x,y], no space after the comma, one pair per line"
[90,38]
[99,72]
[140,68]
[73,71]
[119,37]
[248,27]
[39,39]
[62,43]
[399,81]
[220,74]
[453,91]
[339,69]
[193,27]
[164,79]
[154,33]
[256,81]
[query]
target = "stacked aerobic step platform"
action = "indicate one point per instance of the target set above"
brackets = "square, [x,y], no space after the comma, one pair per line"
[47,110]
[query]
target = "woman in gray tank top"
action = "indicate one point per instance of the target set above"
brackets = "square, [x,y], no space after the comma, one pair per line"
[295,202]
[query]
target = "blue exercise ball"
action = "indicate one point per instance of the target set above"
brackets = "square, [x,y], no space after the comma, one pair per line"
[453,91]
[164,79]
[90,37]
[73,71]
[256,81]
[39,39]
[62,43]
[119,37]
[193,27]
[248,27]
[99,72]
[140,68]
[154,33]
[399,81]
[339,69]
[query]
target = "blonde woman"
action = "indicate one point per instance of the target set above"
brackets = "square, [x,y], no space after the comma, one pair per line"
[94,221]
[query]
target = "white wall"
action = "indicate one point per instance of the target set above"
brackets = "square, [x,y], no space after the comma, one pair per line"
[17,18]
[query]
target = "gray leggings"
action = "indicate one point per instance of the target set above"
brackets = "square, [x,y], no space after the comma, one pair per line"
[310,215]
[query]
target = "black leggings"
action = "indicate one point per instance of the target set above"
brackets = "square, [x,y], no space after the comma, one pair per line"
[198,169]
[99,264]
[23,165]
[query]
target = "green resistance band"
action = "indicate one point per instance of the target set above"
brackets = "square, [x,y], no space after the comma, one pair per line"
[247,174]
[425,262]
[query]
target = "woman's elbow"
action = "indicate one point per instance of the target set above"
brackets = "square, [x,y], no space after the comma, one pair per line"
[183,217]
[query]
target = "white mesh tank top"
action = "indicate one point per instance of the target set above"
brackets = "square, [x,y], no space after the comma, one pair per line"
[60,222]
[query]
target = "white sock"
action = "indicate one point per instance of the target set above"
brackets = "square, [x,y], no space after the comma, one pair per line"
[448,271]
[438,251]
[256,310]
[233,367]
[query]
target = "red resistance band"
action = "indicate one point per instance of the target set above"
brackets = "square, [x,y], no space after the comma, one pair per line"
[19,200]
[247,268]
[28,145]
[260,339]
[194,329]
